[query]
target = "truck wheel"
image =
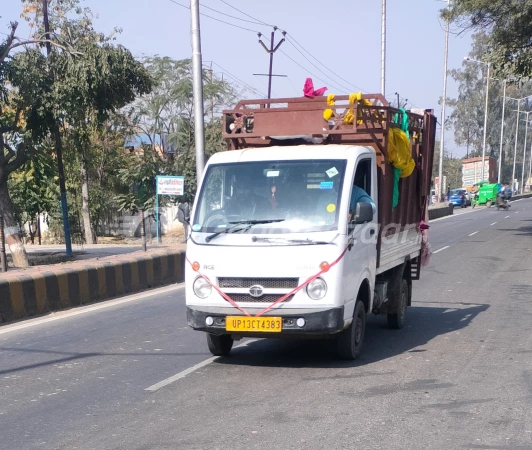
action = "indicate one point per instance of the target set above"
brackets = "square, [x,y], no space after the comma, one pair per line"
[219,345]
[350,340]
[397,320]
[489,203]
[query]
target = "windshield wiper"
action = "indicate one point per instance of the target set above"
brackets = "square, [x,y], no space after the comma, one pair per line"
[249,224]
[291,241]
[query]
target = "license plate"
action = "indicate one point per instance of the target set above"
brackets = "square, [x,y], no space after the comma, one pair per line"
[257,324]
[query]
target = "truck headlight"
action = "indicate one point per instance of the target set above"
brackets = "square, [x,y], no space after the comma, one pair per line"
[317,289]
[201,288]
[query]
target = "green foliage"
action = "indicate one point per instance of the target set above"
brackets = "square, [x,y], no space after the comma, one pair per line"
[85,86]
[452,168]
[139,174]
[73,88]
[467,117]
[169,108]
[509,26]
[33,188]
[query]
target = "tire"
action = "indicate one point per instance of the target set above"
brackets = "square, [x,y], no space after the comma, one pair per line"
[397,320]
[350,340]
[489,203]
[219,345]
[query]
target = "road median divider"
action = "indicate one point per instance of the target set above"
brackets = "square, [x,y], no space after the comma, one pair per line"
[436,212]
[46,289]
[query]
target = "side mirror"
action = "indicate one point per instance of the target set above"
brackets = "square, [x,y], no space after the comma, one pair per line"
[363,213]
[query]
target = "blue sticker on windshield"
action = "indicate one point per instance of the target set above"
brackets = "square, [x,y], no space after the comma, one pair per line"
[196,227]
[326,185]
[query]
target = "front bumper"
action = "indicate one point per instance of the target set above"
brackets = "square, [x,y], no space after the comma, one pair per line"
[317,321]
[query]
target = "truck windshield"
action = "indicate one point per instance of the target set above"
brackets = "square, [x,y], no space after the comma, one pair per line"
[279,196]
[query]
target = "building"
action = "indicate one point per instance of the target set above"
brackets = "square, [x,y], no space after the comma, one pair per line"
[135,144]
[472,170]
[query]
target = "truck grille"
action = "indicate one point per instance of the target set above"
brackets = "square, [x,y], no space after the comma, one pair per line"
[266,283]
[266,298]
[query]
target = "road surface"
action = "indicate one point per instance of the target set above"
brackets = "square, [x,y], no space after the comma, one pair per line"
[129,374]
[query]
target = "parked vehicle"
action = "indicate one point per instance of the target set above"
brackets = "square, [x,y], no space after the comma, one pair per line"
[467,196]
[272,250]
[433,196]
[458,198]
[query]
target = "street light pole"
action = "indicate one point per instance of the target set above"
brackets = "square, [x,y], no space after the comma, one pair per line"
[444,99]
[485,122]
[515,147]
[530,169]
[197,72]
[502,132]
[383,49]
[524,154]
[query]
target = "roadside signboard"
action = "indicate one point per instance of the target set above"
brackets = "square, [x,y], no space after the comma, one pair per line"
[167,185]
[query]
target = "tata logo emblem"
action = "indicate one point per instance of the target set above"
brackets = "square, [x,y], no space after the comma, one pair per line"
[256,291]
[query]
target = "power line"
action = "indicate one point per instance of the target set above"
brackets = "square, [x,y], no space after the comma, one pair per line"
[313,74]
[247,15]
[305,50]
[232,17]
[319,62]
[238,80]
[327,81]
[214,18]
[302,54]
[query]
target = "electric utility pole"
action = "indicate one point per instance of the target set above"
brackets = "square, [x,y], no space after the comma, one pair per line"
[273,48]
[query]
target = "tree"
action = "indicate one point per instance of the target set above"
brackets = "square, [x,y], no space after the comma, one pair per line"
[169,111]
[508,24]
[33,190]
[15,150]
[15,144]
[72,90]
[90,85]
[452,168]
[467,117]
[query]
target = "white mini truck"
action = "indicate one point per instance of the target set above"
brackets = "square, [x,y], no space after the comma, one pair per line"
[276,247]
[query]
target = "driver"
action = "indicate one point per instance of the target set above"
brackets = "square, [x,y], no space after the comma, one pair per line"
[359,195]
[244,202]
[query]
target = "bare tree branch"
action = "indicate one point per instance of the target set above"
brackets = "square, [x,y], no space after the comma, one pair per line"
[10,151]
[17,118]
[21,156]
[9,42]
[13,42]
[46,41]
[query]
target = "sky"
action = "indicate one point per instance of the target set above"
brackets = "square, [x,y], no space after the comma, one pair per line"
[344,35]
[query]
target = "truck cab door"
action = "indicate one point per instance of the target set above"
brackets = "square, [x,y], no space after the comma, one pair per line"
[361,258]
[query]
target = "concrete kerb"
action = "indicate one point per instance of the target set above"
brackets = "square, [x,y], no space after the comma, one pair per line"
[440,211]
[26,294]
[437,212]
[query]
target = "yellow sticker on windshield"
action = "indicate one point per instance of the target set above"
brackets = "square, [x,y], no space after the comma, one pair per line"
[331,207]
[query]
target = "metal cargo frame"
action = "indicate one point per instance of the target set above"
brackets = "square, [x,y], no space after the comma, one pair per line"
[257,124]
